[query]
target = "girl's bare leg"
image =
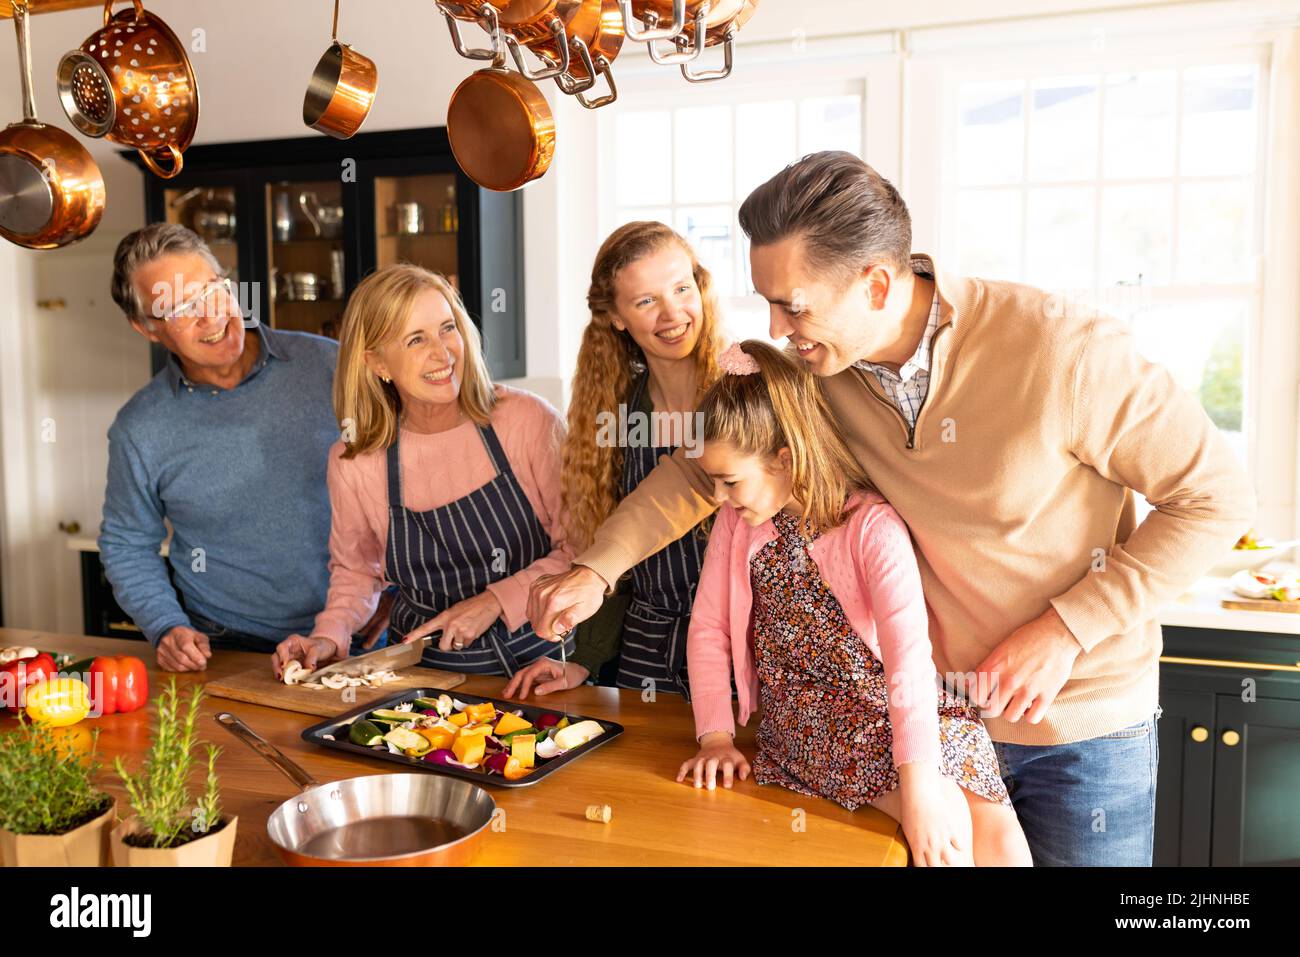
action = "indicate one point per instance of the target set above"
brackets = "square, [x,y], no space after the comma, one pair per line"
[998,838]
[891,804]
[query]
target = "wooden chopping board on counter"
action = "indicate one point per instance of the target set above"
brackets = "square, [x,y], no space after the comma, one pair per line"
[259,686]
[1262,604]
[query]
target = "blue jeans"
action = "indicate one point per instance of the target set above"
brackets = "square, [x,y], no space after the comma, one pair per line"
[1087,804]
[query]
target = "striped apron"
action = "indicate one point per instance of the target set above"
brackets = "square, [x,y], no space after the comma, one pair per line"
[446,555]
[663,589]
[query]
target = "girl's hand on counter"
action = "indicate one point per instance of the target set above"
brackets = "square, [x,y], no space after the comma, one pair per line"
[183,649]
[549,675]
[312,652]
[717,753]
[462,624]
[927,818]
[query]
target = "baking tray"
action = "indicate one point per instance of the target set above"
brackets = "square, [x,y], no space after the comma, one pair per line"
[316,735]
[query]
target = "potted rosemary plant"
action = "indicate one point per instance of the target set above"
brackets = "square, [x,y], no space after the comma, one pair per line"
[170,827]
[51,812]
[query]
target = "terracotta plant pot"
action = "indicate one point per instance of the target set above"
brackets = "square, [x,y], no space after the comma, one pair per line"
[211,850]
[85,846]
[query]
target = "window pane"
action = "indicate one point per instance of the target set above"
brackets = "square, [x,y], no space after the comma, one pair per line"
[1139,134]
[1062,230]
[702,154]
[1219,120]
[1063,129]
[709,230]
[991,133]
[988,233]
[765,143]
[1136,225]
[1201,344]
[643,144]
[1214,233]
[830,123]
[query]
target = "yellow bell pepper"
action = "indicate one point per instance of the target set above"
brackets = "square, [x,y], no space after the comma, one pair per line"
[58,702]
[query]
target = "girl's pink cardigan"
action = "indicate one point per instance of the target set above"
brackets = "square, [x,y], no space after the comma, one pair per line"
[870,567]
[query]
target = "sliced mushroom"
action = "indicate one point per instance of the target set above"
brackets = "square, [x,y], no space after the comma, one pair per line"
[335,681]
[294,672]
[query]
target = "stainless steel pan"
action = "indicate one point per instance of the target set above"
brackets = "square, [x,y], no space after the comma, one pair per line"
[397,820]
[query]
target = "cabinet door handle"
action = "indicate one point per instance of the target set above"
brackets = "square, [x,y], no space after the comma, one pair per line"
[1222,663]
[1200,734]
[1231,738]
[124,626]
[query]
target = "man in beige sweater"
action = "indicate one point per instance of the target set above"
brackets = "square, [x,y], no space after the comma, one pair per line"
[1010,432]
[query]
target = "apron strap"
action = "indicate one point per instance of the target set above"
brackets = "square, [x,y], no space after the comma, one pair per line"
[494,450]
[394,460]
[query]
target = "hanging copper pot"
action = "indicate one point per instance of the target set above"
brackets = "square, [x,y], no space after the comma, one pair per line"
[132,83]
[342,89]
[501,129]
[51,190]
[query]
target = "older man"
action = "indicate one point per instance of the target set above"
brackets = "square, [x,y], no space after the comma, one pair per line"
[1008,433]
[228,443]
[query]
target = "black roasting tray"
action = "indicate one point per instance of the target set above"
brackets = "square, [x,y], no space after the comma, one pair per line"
[316,735]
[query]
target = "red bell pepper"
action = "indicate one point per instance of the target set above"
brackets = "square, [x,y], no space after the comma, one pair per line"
[17,676]
[118,684]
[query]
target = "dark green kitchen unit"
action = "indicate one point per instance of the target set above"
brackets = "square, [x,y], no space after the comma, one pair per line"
[1228,791]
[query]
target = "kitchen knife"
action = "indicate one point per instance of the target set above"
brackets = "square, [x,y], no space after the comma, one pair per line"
[390,658]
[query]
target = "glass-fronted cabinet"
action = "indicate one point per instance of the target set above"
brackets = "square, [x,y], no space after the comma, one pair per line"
[308,258]
[299,222]
[210,212]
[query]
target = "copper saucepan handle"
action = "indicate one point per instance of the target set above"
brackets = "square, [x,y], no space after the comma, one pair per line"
[108,10]
[301,779]
[169,149]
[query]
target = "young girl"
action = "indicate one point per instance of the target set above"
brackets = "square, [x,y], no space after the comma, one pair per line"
[810,592]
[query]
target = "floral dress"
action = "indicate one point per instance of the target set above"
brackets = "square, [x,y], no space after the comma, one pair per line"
[825,727]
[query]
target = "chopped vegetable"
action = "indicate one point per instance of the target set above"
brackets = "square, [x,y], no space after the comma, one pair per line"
[365,733]
[469,748]
[522,749]
[580,733]
[509,723]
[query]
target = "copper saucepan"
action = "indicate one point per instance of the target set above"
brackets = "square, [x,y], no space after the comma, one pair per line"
[474,11]
[132,83]
[51,190]
[397,820]
[596,37]
[527,22]
[342,88]
[501,129]
[718,27]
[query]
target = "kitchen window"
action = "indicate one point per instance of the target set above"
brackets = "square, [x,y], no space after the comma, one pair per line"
[1137,188]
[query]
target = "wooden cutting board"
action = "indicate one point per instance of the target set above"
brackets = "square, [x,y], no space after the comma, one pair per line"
[259,686]
[1262,604]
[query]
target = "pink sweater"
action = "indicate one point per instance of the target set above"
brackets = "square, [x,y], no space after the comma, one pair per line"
[436,470]
[869,566]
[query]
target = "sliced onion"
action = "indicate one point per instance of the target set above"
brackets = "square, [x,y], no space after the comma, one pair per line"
[546,748]
[497,762]
[458,704]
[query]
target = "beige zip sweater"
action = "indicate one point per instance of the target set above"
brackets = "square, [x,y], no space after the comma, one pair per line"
[1038,421]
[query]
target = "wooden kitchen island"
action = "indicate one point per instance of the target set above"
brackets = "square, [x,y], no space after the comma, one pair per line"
[656,821]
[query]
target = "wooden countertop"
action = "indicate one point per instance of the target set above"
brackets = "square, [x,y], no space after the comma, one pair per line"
[656,821]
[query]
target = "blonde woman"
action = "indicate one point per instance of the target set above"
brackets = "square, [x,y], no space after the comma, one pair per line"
[648,354]
[444,484]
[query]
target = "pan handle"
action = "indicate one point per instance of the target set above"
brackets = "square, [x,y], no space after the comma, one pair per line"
[301,779]
[169,150]
[108,11]
[703,76]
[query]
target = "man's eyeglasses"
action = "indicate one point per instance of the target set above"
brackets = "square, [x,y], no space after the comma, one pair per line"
[214,300]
